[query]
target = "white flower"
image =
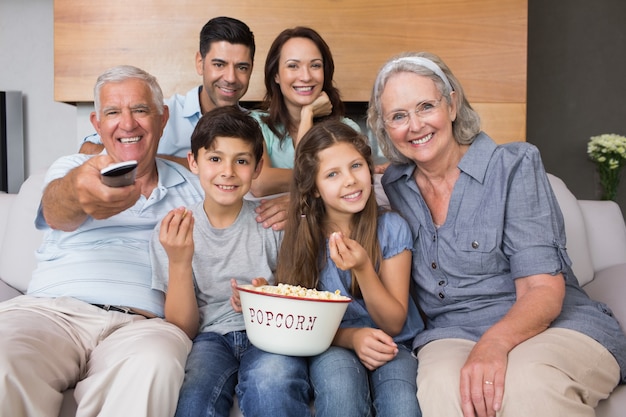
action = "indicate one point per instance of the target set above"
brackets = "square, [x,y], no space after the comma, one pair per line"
[608,150]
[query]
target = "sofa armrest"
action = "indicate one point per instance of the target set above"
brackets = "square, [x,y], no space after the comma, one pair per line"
[606,232]
[21,239]
[6,200]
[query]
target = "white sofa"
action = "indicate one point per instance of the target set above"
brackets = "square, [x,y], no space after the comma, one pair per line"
[596,244]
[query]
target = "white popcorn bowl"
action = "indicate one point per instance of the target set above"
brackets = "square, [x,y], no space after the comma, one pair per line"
[294,326]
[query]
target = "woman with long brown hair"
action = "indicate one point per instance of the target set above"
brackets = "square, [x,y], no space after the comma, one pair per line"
[300,91]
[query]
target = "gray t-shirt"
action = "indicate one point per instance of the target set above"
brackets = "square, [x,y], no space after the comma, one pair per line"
[244,250]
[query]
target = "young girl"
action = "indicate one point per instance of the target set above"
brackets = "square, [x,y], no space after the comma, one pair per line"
[336,237]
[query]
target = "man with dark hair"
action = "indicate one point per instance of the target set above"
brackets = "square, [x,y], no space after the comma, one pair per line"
[224,60]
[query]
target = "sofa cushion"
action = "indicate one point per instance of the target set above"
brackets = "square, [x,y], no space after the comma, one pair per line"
[606,231]
[7,292]
[21,238]
[609,287]
[614,405]
[575,231]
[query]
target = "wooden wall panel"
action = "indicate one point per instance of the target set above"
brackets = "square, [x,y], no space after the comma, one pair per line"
[483,41]
[504,122]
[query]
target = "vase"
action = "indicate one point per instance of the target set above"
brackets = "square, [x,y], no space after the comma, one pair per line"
[609,179]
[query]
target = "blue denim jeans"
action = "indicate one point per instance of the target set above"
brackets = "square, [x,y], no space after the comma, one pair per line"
[343,387]
[266,384]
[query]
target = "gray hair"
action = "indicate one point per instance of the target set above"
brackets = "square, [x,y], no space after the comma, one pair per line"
[122,73]
[464,128]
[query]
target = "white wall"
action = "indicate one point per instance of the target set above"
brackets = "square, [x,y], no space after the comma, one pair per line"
[51,129]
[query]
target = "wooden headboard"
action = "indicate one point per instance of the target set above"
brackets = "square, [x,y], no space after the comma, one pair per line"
[482,41]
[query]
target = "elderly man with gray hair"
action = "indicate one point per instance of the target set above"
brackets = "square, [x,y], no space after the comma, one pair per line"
[90,318]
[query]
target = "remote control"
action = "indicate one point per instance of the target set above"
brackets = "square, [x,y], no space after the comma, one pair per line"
[120,174]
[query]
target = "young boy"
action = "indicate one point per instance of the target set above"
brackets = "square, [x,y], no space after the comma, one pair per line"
[196,252]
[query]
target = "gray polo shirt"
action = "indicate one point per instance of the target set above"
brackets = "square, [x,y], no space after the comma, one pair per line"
[503,223]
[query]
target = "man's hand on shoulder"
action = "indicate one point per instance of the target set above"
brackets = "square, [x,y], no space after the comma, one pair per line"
[91,148]
[273,212]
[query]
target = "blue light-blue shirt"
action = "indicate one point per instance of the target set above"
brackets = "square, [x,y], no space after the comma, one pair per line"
[185,113]
[503,223]
[107,261]
[394,237]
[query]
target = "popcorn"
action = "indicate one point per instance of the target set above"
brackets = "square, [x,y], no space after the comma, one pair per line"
[302,292]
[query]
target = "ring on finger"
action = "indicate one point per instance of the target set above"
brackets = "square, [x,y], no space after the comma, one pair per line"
[488,382]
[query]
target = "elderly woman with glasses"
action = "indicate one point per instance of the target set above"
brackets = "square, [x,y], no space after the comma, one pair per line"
[509,331]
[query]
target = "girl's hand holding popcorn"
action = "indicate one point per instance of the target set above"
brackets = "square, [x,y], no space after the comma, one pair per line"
[347,253]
